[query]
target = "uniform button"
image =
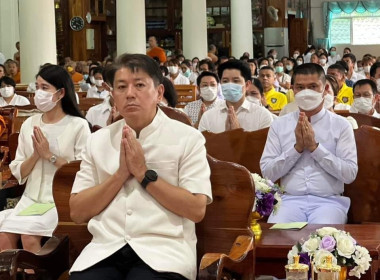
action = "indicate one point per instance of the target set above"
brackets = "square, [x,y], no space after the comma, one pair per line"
[127,237]
[129,212]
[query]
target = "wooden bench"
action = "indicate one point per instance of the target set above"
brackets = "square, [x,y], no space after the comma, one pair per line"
[86,103]
[361,119]
[186,94]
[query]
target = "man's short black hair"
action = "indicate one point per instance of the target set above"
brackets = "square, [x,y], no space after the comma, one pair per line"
[372,71]
[309,69]
[343,63]
[267,67]
[205,74]
[8,81]
[241,65]
[211,66]
[351,56]
[338,67]
[137,62]
[366,82]
[256,82]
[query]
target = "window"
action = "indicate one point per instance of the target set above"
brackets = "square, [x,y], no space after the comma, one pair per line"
[355,28]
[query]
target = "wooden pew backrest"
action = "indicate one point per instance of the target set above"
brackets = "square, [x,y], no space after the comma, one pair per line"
[361,119]
[186,94]
[242,147]
[364,192]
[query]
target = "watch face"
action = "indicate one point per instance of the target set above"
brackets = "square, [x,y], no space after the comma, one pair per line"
[77,23]
[151,175]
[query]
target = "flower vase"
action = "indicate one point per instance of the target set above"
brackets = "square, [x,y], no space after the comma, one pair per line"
[343,273]
[255,226]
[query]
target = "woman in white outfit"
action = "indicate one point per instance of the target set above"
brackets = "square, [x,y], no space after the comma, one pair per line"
[46,142]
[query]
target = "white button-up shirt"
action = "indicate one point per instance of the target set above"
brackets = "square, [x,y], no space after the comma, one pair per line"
[99,114]
[324,171]
[94,93]
[251,117]
[162,239]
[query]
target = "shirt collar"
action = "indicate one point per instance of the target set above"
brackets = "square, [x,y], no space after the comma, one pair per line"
[314,118]
[244,106]
[150,128]
[270,91]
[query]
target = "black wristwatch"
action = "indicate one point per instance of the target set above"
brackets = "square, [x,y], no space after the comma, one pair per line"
[150,176]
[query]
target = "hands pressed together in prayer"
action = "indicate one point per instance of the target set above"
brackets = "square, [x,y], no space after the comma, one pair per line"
[40,144]
[132,160]
[305,138]
[232,121]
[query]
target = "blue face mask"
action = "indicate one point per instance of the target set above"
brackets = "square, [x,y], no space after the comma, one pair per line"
[187,73]
[85,77]
[232,92]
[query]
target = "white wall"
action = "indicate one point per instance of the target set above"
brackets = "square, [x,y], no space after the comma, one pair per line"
[318,32]
[9,27]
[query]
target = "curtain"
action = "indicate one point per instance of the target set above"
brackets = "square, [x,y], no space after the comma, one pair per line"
[348,7]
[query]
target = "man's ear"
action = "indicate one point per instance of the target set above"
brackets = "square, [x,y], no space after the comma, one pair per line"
[160,91]
[248,83]
[327,88]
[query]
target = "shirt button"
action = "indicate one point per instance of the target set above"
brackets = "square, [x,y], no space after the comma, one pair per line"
[129,212]
[128,237]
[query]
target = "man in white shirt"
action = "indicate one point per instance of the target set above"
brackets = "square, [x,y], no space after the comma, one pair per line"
[8,95]
[365,98]
[144,183]
[99,114]
[313,152]
[352,76]
[235,111]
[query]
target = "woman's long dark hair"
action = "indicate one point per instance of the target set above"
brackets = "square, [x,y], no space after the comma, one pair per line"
[58,77]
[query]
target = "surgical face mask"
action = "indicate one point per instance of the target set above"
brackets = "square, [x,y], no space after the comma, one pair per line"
[232,92]
[363,105]
[275,56]
[367,68]
[333,53]
[92,80]
[279,69]
[7,91]
[85,77]
[43,100]
[360,69]
[173,69]
[299,62]
[289,67]
[322,61]
[253,99]
[209,93]
[329,101]
[187,73]
[308,99]
[195,65]
[99,83]
[296,55]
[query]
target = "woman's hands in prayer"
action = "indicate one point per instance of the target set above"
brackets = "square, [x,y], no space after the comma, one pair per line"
[40,144]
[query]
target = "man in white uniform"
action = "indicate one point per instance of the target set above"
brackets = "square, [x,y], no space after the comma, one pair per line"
[313,152]
[144,183]
[235,112]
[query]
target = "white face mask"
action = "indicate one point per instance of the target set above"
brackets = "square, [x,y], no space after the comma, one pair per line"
[173,69]
[209,93]
[322,61]
[360,69]
[367,69]
[253,99]
[296,55]
[43,100]
[308,99]
[99,83]
[299,62]
[92,80]
[363,105]
[329,101]
[7,91]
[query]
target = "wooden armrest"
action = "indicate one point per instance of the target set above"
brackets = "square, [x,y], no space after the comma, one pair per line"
[53,258]
[239,263]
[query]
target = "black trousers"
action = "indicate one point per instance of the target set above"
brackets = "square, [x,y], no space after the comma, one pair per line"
[124,264]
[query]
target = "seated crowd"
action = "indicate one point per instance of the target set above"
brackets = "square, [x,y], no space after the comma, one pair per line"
[157,167]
